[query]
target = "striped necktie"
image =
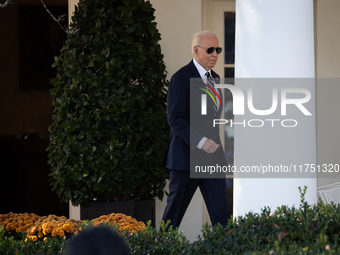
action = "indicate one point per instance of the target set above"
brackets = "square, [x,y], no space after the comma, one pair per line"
[211,82]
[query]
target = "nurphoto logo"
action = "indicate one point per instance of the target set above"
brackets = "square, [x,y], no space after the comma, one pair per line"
[239,105]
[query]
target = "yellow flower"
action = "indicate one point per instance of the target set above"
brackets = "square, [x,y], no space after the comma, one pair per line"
[61,234]
[47,231]
[55,232]
[33,230]
[8,227]
[34,238]
[66,227]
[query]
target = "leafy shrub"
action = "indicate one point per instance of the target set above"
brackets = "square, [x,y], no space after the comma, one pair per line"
[152,241]
[10,246]
[109,129]
[308,230]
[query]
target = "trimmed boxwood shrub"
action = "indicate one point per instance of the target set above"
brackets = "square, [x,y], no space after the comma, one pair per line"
[109,131]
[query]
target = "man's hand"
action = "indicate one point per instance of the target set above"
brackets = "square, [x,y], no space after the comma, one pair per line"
[210,146]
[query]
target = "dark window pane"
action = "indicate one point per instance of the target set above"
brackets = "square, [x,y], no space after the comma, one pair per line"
[229,72]
[229,38]
[228,100]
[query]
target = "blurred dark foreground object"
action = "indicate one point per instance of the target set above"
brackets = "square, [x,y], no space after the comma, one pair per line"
[97,241]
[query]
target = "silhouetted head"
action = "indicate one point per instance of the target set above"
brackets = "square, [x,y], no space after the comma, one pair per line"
[97,241]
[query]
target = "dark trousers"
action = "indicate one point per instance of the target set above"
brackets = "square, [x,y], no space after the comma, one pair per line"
[182,189]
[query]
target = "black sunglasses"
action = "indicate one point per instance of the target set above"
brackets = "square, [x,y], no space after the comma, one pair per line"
[211,49]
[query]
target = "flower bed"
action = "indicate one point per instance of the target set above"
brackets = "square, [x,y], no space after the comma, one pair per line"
[40,228]
[18,222]
[51,226]
[124,222]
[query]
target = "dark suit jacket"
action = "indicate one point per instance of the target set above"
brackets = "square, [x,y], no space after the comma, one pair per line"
[185,134]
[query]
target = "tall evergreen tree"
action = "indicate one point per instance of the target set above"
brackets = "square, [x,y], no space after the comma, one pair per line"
[109,128]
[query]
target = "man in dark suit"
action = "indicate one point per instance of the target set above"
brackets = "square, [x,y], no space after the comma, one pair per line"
[195,142]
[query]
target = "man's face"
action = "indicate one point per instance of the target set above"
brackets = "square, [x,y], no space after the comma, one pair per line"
[207,61]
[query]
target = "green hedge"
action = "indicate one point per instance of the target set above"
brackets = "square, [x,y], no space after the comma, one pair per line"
[10,246]
[304,230]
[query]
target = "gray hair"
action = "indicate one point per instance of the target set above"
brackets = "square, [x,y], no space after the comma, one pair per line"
[196,40]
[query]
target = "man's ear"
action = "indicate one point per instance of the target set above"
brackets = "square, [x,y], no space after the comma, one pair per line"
[196,49]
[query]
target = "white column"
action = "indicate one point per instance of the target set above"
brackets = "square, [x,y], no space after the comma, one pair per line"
[74,211]
[71,8]
[274,39]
